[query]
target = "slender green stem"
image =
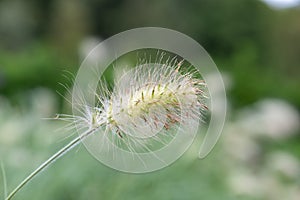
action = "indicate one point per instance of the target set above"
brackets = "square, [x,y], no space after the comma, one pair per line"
[48,162]
[4,180]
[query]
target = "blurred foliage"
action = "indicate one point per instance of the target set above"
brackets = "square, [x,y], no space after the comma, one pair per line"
[42,43]
[256,45]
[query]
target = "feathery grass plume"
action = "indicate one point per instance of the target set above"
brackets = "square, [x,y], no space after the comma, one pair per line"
[146,107]
[140,115]
[149,102]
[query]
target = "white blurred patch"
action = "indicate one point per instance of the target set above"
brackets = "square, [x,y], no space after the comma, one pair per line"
[239,145]
[246,183]
[273,118]
[44,102]
[280,4]
[285,164]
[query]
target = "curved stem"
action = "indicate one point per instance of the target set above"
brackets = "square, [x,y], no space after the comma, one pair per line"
[48,162]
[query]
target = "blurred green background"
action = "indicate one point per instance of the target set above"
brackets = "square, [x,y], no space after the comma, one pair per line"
[255,45]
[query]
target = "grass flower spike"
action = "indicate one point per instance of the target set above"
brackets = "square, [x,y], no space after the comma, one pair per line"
[153,96]
[141,115]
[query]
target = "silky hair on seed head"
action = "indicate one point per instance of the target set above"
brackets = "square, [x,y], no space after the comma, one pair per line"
[148,102]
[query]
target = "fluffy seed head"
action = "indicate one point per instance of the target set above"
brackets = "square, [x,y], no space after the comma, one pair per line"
[148,99]
[148,106]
